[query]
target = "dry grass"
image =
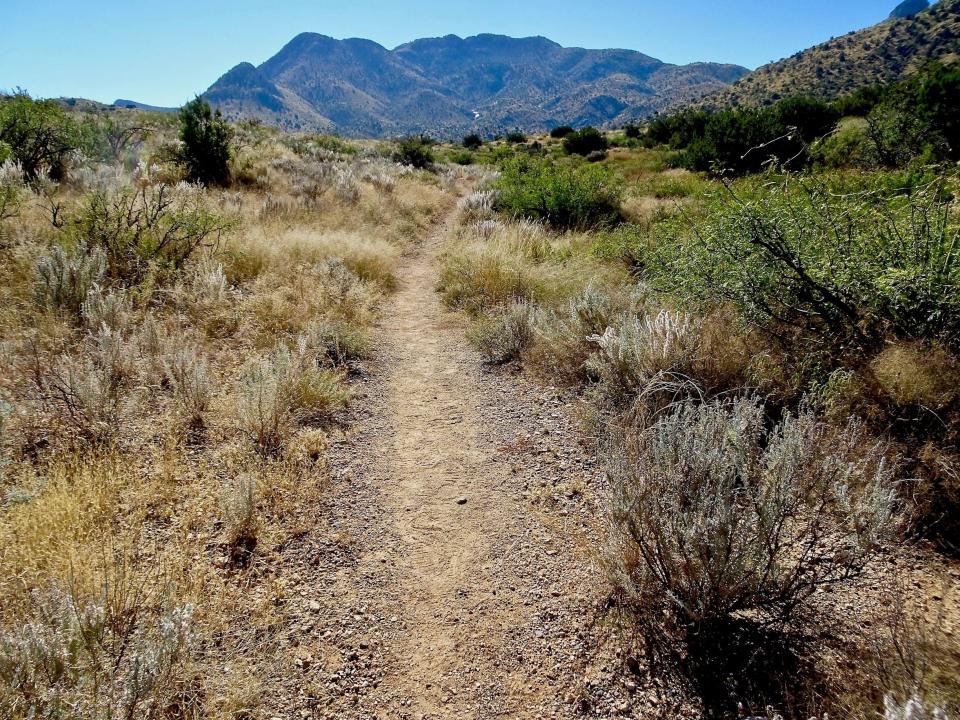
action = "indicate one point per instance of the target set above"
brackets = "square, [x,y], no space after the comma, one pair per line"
[127,409]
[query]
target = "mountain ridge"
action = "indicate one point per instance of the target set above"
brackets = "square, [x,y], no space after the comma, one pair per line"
[450,85]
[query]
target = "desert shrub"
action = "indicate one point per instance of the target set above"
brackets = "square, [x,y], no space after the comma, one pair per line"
[64,279]
[632,131]
[188,373]
[563,341]
[504,337]
[154,228]
[103,308]
[265,400]
[913,709]
[90,392]
[414,151]
[461,158]
[333,342]
[38,134]
[516,137]
[584,141]
[847,267]
[847,146]
[566,196]
[238,508]
[479,202]
[636,351]
[279,390]
[206,143]
[561,131]
[120,654]
[11,182]
[318,394]
[475,281]
[713,515]
[6,409]
[472,141]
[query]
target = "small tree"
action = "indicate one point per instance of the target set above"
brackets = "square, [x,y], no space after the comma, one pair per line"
[585,141]
[38,134]
[206,143]
[472,141]
[561,131]
[414,150]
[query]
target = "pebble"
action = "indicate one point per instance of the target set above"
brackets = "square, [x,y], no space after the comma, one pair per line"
[461,501]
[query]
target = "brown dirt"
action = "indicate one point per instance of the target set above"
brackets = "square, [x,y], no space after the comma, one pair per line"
[445,582]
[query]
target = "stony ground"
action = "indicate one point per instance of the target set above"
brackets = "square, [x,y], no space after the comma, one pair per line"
[449,573]
[447,577]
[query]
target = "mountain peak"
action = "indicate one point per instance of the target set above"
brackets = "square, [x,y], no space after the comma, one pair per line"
[450,85]
[909,8]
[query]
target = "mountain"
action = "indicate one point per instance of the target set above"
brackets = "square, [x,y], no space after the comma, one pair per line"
[451,85]
[134,105]
[880,54]
[908,8]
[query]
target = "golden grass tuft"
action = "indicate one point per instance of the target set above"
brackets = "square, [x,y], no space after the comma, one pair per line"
[914,375]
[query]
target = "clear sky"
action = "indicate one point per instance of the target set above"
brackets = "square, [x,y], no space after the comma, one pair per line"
[163,51]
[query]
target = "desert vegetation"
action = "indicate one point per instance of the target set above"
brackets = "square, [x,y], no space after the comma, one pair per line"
[753,311]
[185,304]
[752,315]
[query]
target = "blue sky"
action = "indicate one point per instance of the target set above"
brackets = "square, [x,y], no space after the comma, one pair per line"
[165,51]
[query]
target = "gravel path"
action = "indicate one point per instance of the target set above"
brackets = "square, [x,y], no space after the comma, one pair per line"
[451,579]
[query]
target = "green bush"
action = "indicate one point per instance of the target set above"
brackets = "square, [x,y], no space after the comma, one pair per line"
[560,193]
[472,141]
[516,137]
[464,157]
[561,131]
[414,150]
[206,143]
[38,134]
[848,261]
[585,141]
[154,229]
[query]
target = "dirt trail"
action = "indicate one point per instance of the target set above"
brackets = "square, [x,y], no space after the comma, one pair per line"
[442,581]
[445,494]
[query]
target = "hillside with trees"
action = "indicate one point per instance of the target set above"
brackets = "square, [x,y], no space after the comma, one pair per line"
[884,53]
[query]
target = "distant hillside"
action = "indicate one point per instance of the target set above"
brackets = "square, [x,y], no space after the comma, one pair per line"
[452,85]
[134,105]
[879,54]
[909,8]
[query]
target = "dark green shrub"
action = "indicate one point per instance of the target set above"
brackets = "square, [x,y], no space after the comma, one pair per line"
[472,141]
[631,131]
[561,131]
[850,264]
[206,143]
[414,150]
[562,194]
[462,157]
[516,137]
[585,141]
[38,134]
[596,156]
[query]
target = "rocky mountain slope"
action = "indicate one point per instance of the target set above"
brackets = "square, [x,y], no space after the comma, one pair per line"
[879,54]
[451,85]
